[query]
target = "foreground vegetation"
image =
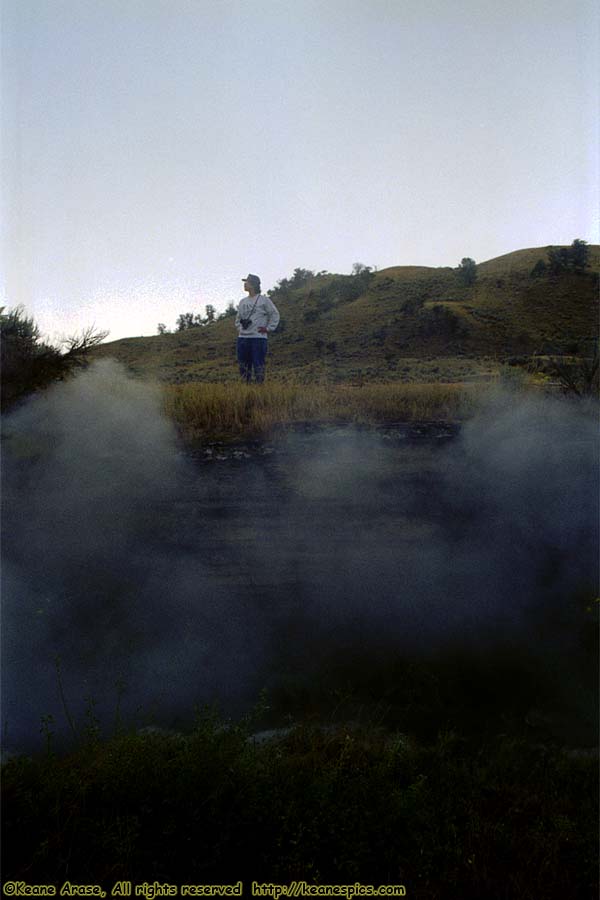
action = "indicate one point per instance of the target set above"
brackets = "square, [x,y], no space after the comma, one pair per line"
[459,774]
[232,410]
[29,363]
[455,817]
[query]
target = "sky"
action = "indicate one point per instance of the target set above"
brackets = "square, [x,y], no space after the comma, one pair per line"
[154,152]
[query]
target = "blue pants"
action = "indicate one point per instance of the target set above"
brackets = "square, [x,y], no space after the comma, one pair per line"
[251,354]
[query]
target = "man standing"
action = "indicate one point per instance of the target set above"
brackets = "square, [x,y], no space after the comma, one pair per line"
[256,316]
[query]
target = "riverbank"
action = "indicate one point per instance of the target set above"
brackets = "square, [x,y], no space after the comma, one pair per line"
[230,412]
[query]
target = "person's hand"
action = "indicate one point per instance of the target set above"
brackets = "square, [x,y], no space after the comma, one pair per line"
[262,330]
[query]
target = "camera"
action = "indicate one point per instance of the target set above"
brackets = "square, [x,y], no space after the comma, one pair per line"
[245,323]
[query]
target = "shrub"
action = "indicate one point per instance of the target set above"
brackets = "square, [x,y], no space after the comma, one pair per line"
[29,363]
[576,376]
[231,310]
[341,288]
[344,289]
[439,320]
[338,803]
[569,259]
[282,289]
[467,270]
[412,303]
[188,320]
[539,270]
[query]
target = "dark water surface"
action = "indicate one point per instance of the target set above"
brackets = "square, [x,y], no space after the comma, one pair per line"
[140,590]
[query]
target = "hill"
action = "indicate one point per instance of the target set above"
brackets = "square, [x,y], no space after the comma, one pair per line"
[403,323]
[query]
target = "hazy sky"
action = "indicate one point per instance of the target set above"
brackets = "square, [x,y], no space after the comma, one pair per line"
[155,151]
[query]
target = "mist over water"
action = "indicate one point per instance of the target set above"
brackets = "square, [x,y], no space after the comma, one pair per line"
[188,582]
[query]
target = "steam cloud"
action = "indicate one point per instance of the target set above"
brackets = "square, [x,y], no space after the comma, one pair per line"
[126,560]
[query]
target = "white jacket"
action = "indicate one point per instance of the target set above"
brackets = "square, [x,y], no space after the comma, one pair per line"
[263,313]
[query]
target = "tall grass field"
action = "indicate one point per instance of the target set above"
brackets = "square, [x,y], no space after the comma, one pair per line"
[232,410]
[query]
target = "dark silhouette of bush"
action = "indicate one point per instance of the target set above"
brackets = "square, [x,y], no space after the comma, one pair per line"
[577,376]
[310,315]
[467,271]
[230,311]
[580,255]
[341,288]
[440,321]
[29,363]
[575,258]
[413,301]
[344,288]
[375,802]
[282,289]
[300,277]
[188,320]
[539,270]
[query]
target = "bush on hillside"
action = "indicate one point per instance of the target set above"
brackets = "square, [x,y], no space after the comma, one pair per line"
[282,289]
[467,271]
[310,315]
[345,288]
[230,311]
[575,258]
[539,270]
[341,288]
[188,320]
[439,321]
[412,300]
[577,376]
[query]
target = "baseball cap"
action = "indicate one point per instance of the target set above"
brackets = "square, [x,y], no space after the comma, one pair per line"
[253,278]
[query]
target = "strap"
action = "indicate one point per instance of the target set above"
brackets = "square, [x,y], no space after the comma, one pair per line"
[253,308]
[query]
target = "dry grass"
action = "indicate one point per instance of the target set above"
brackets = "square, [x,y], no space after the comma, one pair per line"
[232,410]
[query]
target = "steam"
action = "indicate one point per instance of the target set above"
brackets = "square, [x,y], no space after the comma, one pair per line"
[125,563]
[102,574]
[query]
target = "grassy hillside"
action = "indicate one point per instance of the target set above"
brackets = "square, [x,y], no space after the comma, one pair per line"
[409,323]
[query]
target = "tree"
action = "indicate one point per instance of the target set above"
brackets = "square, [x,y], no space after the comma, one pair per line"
[467,271]
[282,289]
[80,343]
[231,310]
[361,278]
[161,328]
[210,313]
[575,258]
[558,260]
[580,255]
[187,320]
[300,277]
